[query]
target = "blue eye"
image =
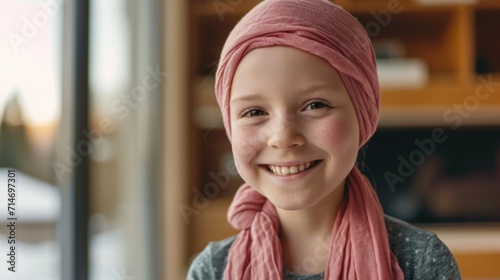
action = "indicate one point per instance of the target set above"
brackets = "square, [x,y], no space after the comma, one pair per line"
[315,105]
[252,112]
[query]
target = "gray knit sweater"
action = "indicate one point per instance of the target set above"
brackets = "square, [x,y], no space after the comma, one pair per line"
[421,255]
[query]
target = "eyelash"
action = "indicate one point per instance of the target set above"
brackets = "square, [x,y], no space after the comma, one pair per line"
[246,112]
[323,103]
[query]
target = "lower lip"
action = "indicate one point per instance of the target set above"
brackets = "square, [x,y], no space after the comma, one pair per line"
[292,177]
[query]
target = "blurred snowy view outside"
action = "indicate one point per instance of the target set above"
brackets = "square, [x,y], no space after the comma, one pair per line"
[30,115]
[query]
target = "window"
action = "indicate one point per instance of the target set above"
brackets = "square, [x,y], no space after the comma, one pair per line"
[41,93]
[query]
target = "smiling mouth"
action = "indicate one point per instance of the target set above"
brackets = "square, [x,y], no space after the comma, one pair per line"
[290,170]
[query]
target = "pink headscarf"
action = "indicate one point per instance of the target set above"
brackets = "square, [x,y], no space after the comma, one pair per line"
[359,248]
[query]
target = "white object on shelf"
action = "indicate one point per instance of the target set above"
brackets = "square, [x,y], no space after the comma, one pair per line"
[402,73]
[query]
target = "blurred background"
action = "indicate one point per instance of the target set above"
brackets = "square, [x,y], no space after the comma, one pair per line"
[123,168]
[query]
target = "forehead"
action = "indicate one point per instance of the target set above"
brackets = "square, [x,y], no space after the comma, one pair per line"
[281,67]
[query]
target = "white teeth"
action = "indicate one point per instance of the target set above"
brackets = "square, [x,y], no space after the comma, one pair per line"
[285,170]
[302,167]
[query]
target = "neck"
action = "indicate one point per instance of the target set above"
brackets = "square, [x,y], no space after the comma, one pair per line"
[307,233]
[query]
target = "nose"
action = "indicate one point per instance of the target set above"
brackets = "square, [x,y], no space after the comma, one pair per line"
[284,133]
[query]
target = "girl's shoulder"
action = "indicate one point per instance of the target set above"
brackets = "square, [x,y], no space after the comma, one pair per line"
[421,254]
[211,262]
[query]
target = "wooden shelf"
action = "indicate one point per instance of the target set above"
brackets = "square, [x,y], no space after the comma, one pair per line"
[435,105]
[488,5]
[442,90]
[207,8]
[367,6]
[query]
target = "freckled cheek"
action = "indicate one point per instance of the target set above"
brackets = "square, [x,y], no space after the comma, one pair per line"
[245,144]
[341,134]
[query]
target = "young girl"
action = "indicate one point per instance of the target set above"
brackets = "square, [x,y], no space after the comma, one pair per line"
[298,91]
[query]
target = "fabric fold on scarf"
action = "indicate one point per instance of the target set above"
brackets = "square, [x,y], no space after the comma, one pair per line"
[359,248]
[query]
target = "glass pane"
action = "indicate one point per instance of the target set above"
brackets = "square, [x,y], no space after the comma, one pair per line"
[30,101]
[109,76]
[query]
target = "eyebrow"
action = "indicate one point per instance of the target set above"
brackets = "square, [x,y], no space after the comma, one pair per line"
[303,90]
[247,98]
[313,88]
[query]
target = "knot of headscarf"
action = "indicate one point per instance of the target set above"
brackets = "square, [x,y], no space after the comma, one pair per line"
[359,248]
[242,215]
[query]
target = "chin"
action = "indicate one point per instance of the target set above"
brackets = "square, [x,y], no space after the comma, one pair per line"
[290,204]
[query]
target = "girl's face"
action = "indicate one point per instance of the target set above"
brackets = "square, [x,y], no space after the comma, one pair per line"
[295,133]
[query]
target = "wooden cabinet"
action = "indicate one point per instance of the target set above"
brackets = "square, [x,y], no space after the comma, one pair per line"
[459,43]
